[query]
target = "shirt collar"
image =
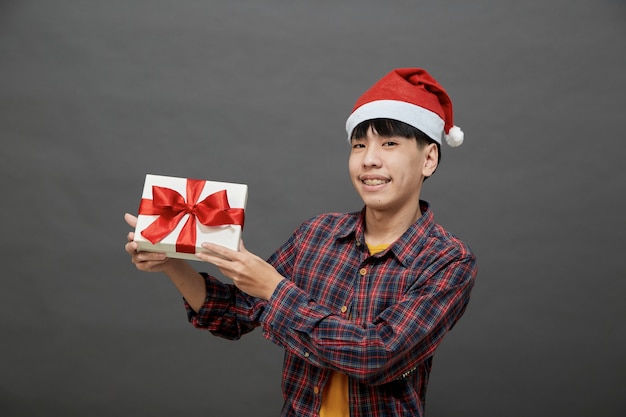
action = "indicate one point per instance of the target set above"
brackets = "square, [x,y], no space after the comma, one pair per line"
[406,247]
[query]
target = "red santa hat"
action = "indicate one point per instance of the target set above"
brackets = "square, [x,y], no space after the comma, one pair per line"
[412,96]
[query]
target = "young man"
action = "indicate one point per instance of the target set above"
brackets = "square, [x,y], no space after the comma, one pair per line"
[358,301]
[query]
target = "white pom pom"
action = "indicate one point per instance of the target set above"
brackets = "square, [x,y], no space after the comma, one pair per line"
[455,136]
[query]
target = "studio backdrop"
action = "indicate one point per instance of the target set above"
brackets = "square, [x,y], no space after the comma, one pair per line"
[94,95]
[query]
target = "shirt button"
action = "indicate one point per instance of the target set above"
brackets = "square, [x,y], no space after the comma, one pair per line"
[306,354]
[363,271]
[316,390]
[344,309]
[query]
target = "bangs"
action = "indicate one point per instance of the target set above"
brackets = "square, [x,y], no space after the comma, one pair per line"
[388,128]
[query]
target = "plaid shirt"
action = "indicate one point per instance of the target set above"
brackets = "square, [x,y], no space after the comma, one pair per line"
[377,318]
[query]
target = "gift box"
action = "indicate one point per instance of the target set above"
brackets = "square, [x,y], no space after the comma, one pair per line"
[176,215]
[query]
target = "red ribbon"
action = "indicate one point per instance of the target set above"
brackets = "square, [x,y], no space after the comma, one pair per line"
[170,206]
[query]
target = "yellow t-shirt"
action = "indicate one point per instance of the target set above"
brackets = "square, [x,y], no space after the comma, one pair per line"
[335,394]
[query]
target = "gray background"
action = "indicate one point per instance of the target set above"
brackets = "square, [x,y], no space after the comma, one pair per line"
[95,94]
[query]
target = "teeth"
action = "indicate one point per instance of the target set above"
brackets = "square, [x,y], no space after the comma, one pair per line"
[374,182]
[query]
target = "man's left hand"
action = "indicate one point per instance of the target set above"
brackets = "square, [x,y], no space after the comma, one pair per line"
[249,273]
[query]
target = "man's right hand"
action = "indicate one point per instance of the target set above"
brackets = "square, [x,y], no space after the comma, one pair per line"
[186,279]
[145,261]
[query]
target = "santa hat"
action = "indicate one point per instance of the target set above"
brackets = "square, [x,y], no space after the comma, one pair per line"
[412,96]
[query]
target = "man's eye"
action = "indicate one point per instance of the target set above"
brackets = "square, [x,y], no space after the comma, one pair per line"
[357,145]
[390,143]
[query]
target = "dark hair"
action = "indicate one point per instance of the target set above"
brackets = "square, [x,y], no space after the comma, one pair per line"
[391,127]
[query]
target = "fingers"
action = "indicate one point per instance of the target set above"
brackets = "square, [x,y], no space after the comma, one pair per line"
[151,266]
[218,251]
[213,258]
[130,219]
[149,257]
[248,272]
[130,246]
[231,263]
[145,261]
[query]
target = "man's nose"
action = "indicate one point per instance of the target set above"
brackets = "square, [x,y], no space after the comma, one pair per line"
[372,156]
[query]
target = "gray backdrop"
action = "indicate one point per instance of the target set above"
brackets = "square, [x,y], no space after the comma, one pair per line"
[95,94]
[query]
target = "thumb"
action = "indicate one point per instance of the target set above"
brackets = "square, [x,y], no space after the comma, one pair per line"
[130,219]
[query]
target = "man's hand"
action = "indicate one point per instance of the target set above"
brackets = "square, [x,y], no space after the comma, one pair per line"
[186,279]
[145,261]
[249,273]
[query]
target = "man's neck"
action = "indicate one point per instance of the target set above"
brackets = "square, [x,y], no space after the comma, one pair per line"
[383,227]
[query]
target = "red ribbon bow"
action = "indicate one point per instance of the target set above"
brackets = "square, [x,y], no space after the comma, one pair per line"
[170,206]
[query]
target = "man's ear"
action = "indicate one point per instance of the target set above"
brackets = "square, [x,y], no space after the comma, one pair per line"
[431,161]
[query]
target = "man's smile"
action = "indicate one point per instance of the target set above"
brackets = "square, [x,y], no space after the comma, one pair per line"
[369,180]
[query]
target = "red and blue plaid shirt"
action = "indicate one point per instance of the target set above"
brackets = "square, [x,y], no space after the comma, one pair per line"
[377,318]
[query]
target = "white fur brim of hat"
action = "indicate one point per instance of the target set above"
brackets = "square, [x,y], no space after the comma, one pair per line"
[423,119]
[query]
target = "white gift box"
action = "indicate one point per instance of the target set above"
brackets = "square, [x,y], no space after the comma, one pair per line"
[227,235]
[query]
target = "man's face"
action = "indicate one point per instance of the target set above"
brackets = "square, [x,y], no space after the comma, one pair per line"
[388,172]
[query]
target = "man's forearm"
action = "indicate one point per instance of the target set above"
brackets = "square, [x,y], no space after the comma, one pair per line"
[188,282]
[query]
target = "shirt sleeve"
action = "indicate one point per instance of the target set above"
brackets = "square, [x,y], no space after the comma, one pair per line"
[388,348]
[227,312]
